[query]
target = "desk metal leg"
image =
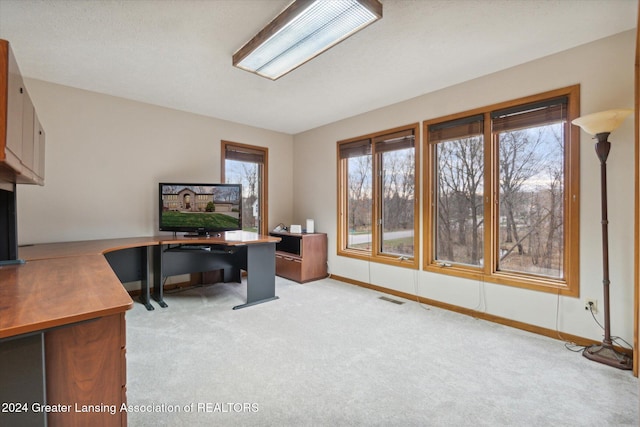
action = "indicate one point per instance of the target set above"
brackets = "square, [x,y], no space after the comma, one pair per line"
[261,274]
[157,276]
[132,264]
[145,296]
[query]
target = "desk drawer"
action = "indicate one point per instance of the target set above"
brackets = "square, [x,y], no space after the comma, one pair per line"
[289,266]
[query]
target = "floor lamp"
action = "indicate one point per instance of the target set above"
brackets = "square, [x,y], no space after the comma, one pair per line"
[601,125]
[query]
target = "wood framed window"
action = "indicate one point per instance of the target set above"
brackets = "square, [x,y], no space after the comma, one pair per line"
[378,178]
[248,165]
[502,193]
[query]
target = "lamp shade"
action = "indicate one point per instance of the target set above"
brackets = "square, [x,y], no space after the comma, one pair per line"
[602,122]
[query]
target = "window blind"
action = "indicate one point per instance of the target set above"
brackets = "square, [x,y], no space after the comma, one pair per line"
[395,141]
[525,116]
[456,129]
[355,149]
[244,154]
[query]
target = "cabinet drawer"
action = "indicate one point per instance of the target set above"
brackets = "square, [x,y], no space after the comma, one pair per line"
[289,267]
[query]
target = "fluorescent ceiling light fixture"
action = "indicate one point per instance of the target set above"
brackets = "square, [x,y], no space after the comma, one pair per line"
[305,29]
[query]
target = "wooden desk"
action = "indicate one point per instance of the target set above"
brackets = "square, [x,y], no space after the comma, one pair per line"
[64,308]
[130,257]
[103,246]
[68,315]
[45,294]
[85,247]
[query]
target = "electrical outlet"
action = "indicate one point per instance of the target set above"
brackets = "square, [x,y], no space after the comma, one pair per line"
[591,304]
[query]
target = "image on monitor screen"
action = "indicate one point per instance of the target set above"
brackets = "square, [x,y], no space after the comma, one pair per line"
[200,208]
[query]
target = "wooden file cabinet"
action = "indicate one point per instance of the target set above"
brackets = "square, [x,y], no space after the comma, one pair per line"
[301,257]
[86,366]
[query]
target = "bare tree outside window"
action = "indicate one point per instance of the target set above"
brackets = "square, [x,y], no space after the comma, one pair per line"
[503,191]
[248,175]
[247,165]
[359,204]
[531,200]
[398,198]
[460,165]
[377,181]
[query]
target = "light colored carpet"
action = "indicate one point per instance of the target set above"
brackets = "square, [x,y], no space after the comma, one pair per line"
[329,353]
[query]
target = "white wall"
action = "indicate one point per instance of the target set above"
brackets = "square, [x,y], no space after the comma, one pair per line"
[604,69]
[106,155]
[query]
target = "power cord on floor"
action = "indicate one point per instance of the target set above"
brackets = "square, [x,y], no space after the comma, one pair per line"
[482,297]
[574,347]
[569,345]
[416,290]
[614,339]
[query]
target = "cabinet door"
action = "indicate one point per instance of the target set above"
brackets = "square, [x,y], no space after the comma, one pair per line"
[84,364]
[314,253]
[15,89]
[38,149]
[28,140]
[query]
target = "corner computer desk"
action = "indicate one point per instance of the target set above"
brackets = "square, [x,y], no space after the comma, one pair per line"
[230,252]
[133,259]
[62,314]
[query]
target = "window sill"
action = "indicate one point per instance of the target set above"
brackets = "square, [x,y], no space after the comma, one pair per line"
[397,261]
[509,279]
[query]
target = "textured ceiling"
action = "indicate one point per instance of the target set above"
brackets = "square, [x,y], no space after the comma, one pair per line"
[177,53]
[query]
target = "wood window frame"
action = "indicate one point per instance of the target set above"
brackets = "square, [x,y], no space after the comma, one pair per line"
[375,254]
[252,150]
[570,284]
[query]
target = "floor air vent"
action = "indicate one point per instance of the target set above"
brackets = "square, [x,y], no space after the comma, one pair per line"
[395,301]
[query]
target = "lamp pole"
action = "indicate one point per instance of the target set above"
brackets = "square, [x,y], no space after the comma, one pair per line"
[603,146]
[601,125]
[604,352]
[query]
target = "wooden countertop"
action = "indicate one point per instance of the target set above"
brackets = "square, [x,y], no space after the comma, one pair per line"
[229,238]
[84,247]
[44,294]
[69,282]
[99,247]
